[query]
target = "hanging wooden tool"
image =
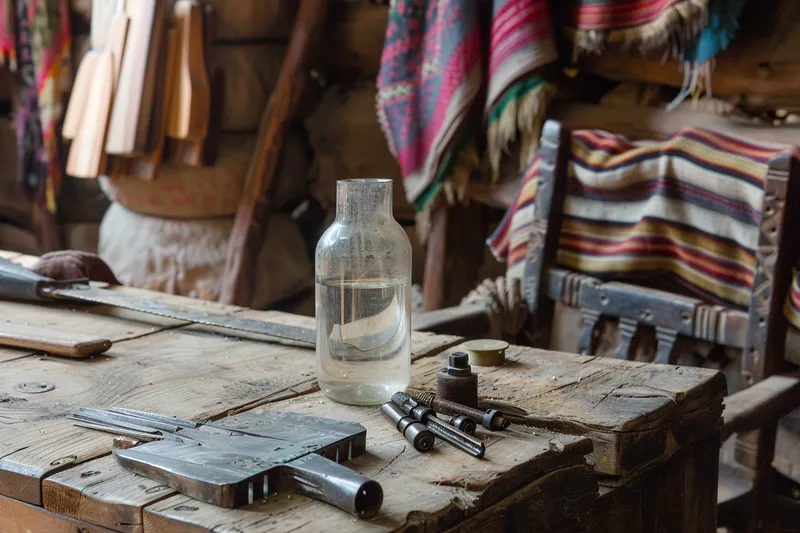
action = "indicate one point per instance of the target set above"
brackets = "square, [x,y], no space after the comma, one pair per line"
[129,128]
[247,237]
[87,155]
[204,152]
[102,13]
[145,166]
[79,95]
[190,101]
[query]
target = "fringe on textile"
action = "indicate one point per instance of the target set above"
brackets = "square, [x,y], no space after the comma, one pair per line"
[675,28]
[453,190]
[523,116]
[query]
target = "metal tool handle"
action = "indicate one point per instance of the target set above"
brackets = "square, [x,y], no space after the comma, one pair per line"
[19,283]
[329,482]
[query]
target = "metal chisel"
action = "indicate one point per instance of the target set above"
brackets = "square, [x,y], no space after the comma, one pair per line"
[19,283]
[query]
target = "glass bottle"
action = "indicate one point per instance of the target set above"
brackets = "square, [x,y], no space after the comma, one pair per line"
[363,300]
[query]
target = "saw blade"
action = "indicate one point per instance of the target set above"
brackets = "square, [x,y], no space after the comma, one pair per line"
[155,307]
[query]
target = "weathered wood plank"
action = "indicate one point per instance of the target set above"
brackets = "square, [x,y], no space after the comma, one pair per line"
[184,371]
[197,375]
[9,354]
[101,492]
[627,408]
[575,486]
[18,517]
[435,490]
[769,399]
[67,492]
[89,319]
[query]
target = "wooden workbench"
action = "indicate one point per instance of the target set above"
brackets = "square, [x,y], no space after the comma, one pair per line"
[637,448]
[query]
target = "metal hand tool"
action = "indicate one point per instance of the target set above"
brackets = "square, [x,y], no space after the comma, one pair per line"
[240,459]
[464,423]
[456,382]
[491,419]
[444,431]
[19,283]
[419,436]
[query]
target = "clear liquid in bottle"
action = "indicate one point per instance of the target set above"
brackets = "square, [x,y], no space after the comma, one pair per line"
[365,346]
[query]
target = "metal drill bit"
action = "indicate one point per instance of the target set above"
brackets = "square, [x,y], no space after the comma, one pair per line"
[492,419]
[444,431]
[415,432]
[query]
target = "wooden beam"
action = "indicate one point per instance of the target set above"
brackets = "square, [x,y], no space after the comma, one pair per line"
[247,237]
[761,65]
[641,122]
[763,403]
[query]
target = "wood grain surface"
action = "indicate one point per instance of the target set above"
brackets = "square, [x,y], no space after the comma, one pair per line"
[66,343]
[626,407]
[192,372]
[418,488]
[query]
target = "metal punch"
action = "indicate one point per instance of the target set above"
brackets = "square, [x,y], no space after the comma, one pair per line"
[239,459]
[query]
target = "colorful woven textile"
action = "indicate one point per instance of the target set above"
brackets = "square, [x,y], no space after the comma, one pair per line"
[689,206]
[8,45]
[35,40]
[644,24]
[432,74]
[433,79]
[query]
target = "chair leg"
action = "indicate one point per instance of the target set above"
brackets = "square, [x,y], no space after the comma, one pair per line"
[755,451]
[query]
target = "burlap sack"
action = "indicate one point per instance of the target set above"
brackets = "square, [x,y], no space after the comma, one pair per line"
[251,71]
[187,257]
[348,143]
[183,192]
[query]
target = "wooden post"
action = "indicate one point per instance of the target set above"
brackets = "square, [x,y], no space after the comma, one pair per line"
[244,244]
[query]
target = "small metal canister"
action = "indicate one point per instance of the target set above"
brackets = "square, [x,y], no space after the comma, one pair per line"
[456,382]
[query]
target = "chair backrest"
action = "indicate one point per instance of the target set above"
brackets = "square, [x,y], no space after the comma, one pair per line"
[759,330]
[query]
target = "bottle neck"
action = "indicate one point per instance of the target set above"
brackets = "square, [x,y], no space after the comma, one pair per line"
[363,199]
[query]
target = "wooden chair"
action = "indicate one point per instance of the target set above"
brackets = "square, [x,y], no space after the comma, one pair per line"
[760,333]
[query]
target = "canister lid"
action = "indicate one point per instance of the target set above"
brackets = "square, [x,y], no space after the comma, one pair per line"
[485,352]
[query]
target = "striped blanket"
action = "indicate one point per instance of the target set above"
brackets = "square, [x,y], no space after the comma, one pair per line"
[440,103]
[689,207]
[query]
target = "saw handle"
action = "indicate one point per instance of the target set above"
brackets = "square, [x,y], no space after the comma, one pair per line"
[327,481]
[19,283]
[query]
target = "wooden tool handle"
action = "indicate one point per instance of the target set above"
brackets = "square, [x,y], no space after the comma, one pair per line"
[129,125]
[204,152]
[86,156]
[244,244]
[79,95]
[191,99]
[54,342]
[145,166]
